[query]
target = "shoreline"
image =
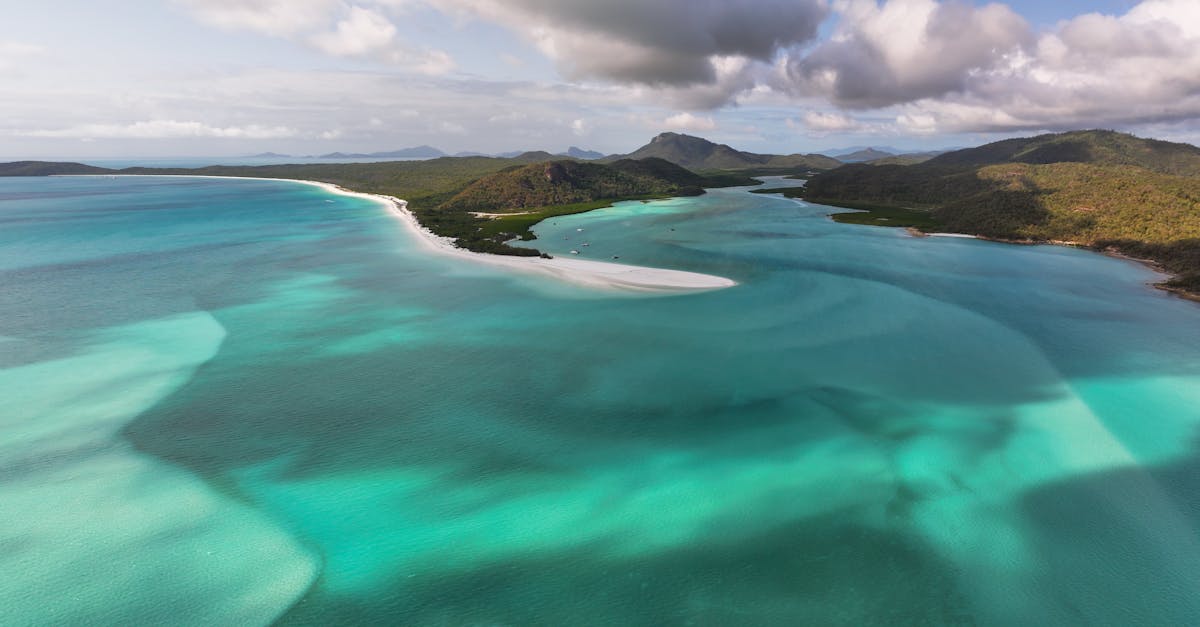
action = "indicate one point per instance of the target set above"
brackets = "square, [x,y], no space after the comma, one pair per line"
[1115,254]
[1150,263]
[588,273]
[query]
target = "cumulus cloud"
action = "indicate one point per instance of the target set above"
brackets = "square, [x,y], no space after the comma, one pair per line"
[278,18]
[905,50]
[1093,70]
[679,45]
[331,26]
[163,129]
[689,122]
[362,32]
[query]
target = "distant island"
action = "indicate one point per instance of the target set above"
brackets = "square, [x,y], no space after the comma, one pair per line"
[575,152]
[418,152]
[1102,190]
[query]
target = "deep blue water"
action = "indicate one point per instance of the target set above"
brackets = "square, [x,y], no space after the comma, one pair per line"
[239,402]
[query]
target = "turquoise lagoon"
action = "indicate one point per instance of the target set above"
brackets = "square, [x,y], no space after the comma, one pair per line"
[246,402]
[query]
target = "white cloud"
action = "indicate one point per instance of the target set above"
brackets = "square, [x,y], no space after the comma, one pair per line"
[828,122]
[904,50]
[1094,70]
[278,18]
[361,30]
[689,122]
[163,129]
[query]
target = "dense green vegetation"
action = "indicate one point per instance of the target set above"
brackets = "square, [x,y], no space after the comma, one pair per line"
[1131,198]
[908,159]
[786,192]
[868,214]
[888,216]
[570,182]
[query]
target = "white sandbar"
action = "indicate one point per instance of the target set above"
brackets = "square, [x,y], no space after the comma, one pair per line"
[597,274]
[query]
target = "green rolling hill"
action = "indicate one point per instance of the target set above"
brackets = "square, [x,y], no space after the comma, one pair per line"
[1105,190]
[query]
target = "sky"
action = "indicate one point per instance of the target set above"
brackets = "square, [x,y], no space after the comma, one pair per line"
[145,78]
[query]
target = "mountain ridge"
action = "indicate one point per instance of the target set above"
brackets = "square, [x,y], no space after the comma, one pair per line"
[1100,147]
[866,154]
[699,154]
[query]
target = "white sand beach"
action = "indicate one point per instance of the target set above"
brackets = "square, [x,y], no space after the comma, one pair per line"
[593,274]
[596,274]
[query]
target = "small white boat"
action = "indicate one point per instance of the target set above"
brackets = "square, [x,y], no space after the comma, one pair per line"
[579,230]
[587,244]
[574,252]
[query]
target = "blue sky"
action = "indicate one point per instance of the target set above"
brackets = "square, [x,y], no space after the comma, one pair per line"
[1049,12]
[230,77]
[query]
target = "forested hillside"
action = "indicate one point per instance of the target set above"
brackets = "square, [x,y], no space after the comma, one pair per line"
[1100,189]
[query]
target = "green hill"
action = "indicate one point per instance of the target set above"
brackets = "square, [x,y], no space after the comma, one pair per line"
[532,193]
[559,183]
[699,154]
[793,164]
[569,182]
[1095,147]
[1104,190]
[536,155]
[864,155]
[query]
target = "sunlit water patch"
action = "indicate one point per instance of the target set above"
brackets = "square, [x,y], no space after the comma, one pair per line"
[869,429]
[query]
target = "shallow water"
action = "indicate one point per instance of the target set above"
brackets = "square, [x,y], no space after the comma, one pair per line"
[271,402]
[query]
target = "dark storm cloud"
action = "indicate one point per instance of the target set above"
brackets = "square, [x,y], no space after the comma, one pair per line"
[906,50]
[667,42]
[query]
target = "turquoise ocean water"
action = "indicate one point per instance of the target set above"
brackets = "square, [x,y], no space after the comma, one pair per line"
[246,402]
